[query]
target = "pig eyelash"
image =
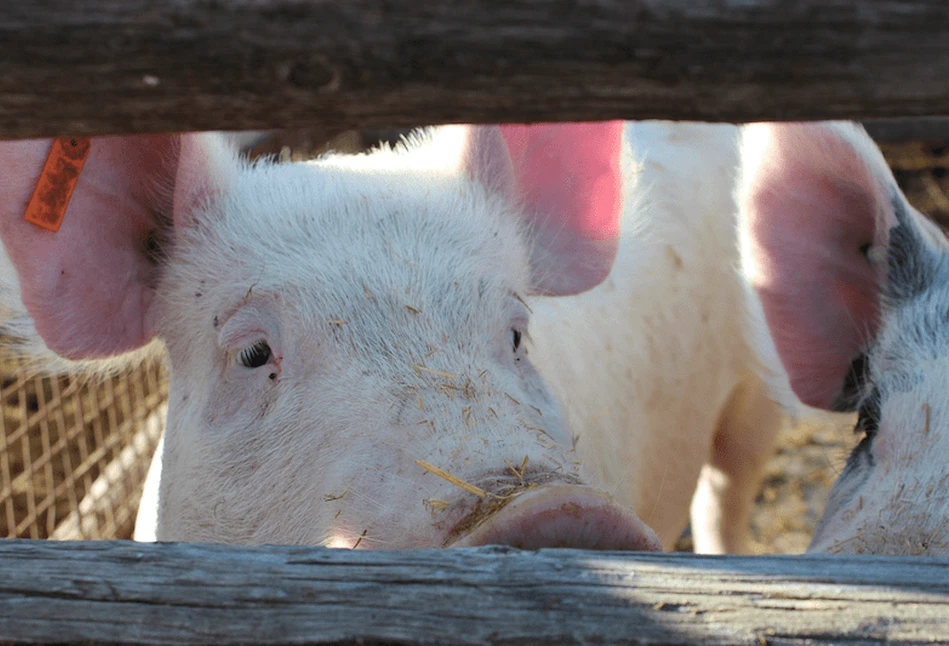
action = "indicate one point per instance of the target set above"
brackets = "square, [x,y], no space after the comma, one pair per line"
[516,339]
[868,415]
[256,355]
[855,383]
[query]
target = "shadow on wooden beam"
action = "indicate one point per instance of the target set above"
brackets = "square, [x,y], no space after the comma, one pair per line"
[124,592]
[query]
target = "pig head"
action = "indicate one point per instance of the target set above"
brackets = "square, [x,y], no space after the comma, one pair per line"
[348,337]
[855,288]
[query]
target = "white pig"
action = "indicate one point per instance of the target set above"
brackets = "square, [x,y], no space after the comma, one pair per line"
[338,328]
[855,287]
[666,372]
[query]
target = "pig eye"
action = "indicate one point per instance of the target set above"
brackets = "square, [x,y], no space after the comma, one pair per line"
[516,339]
[256,355]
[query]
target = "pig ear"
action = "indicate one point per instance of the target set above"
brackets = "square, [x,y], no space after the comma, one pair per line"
[88,285]
[205,170]
[817,203]
[567,178]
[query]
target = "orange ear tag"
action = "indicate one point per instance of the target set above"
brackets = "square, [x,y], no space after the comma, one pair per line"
[57,182]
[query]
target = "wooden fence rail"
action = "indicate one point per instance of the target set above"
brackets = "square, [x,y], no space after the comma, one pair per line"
[129,593]
[913,129]
[116,66]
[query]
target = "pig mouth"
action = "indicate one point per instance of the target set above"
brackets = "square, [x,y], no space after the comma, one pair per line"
[561,515]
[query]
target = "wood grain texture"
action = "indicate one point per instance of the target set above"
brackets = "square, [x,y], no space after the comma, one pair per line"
[117,66]
[129,593]
[907,130]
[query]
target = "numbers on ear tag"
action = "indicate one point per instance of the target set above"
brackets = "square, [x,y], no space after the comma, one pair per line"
[56,184]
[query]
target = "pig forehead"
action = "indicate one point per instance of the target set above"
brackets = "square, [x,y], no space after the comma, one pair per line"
[406,229]
[371,251]
[324,212]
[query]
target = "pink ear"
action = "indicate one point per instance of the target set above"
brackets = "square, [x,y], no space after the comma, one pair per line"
[205,169]
[568,179]
[813,199]
[88,286]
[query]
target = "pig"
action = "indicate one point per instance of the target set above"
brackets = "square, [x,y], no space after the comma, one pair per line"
[854,284]
[347,340]
[487,335]
[669,379]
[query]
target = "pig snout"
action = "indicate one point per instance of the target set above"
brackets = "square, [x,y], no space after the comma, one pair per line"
[559,516]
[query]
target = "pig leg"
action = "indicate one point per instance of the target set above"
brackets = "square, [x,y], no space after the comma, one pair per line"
[728,484]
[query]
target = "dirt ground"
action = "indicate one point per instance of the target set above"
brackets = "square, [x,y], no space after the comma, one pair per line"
[797,482]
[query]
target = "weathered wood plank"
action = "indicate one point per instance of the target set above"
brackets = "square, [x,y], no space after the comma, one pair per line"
[122,592]
[96,66]
[904,130]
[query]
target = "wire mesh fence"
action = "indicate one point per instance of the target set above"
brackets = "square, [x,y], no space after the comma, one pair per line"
[74,450]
